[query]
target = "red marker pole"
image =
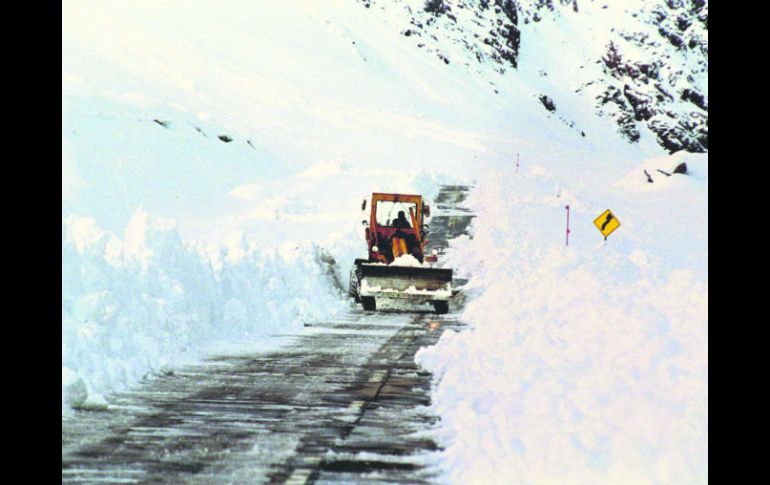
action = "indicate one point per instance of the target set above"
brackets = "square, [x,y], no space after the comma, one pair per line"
[567,207]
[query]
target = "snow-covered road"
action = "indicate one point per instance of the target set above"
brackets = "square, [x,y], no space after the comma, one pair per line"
[346,399]
[342,399]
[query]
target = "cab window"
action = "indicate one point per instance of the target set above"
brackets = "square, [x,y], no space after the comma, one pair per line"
[387,211]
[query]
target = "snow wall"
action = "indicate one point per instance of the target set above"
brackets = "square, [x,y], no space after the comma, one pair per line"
[150,301]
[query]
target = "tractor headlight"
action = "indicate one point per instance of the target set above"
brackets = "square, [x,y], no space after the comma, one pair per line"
[434,252]
[375,249]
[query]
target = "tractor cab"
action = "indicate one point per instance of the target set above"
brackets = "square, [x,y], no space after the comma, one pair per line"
[395,227]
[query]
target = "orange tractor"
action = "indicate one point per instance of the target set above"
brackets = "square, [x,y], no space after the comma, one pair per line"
[397,267]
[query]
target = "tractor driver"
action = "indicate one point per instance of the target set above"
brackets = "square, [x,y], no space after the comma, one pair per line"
[401,222]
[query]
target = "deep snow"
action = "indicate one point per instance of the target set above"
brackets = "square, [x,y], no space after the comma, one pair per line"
[149,301]
[585,363]
[214,158]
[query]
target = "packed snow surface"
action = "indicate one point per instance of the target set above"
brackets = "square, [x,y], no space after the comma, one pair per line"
[214,160]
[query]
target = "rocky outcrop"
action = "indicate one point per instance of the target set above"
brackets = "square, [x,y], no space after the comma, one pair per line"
[491,37]
[654,80]
[654,77]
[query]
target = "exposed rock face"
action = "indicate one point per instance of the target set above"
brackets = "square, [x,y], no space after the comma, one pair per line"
[653,77]
[657,83]
[490,35]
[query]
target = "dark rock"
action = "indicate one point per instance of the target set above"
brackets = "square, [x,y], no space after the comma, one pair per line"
[164,124]
[547,102]
[695,98]
[641,104]
[672,37]
[664,93]
[681,168]
[649,179]
[683,22]
[436,7]
[510,32]
[628,127]
[225,138]
[612,59]
[509,9]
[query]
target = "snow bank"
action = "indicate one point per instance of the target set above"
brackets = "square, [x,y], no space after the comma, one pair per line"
[660,171]
[584,364]
[149,301]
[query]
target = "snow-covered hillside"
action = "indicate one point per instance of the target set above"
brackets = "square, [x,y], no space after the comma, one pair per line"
[215,154]
[643,64]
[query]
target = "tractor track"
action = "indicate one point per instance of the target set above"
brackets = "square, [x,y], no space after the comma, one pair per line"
[343,402]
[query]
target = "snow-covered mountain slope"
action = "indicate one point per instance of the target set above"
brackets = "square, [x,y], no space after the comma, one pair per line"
[642,64]
[214,157]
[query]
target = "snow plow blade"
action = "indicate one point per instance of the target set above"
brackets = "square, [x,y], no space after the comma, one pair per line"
[415,283]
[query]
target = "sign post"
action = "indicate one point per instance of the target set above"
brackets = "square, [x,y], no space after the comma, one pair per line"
[606,223]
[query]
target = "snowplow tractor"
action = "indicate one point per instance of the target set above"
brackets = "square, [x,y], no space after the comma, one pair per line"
[397,266]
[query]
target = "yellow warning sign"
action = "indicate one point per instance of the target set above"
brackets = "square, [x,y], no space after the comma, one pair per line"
[606,223]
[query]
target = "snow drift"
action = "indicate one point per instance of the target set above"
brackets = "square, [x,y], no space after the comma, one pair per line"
[587,363]
[149,301]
